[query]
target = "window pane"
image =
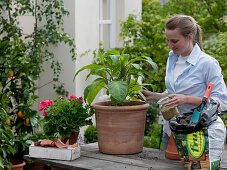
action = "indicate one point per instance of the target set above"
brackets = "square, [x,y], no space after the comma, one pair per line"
[106,37]
[106,9]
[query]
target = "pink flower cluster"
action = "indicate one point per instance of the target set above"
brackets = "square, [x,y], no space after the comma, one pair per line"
[72,96]
[44,105]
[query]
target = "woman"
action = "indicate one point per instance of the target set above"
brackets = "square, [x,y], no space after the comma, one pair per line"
[188,71]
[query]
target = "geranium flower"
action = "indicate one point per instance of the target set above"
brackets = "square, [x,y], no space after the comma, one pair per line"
[50,103]
[72,96]
[44,113]
[44,104]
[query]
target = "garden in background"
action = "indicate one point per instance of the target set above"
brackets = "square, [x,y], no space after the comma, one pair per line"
[22,56]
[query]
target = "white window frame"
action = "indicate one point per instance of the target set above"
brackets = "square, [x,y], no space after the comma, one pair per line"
[111,22]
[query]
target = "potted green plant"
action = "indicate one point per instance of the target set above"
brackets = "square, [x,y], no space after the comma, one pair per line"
[6,149]
[120,121]
[9,142]
[64,117]
[10,148]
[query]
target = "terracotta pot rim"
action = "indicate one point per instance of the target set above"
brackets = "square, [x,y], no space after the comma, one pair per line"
[22,163]
[105,105]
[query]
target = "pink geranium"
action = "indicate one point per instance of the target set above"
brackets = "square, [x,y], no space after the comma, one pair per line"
[50,103]
[44,105]
[71,97]
[44,113]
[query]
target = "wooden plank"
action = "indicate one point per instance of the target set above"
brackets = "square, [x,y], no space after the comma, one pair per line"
[91,158]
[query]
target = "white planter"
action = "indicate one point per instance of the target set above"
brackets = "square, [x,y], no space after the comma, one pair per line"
[54,153]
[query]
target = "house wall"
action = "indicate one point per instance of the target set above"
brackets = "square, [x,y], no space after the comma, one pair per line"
[83,25]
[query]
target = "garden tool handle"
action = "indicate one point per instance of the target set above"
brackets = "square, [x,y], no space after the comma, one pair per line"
[208,91]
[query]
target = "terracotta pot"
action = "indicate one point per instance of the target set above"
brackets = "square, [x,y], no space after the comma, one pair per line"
[72,138]
[17,164]
[120,128]
[171,151]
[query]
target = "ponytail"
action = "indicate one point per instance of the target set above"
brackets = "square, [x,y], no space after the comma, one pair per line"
[198,37]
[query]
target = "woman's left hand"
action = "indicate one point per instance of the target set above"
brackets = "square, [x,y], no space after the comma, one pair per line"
[176,100]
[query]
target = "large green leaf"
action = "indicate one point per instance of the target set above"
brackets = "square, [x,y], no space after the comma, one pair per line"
[1,163]
[13,101]
[118,90]
[136,59]
[115,59]
[124,59]
[153,76]
[153,64]
[90,66]
[92,90]
[113,52]
[33,120]
[100,72]
[100,56]
[133,87]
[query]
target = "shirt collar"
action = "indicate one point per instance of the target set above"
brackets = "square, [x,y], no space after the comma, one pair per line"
[192,58]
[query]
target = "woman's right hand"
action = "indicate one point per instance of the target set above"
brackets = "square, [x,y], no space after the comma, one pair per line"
[150,96]
[146,93]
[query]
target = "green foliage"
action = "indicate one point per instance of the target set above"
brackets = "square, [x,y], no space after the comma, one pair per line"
[38,136]
[18,82]
[90,134]
[118,73]
[21,59]
[6,149]
[6,141]
[224,118]
[152,140]
[209,14]
[21,145]
[216,47]
[48,29]
[66,116]
[145,35]
[13,144]
[151,116]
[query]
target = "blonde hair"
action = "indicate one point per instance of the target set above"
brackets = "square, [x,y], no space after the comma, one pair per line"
[186,25]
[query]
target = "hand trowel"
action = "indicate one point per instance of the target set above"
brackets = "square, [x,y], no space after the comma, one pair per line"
[196,113]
